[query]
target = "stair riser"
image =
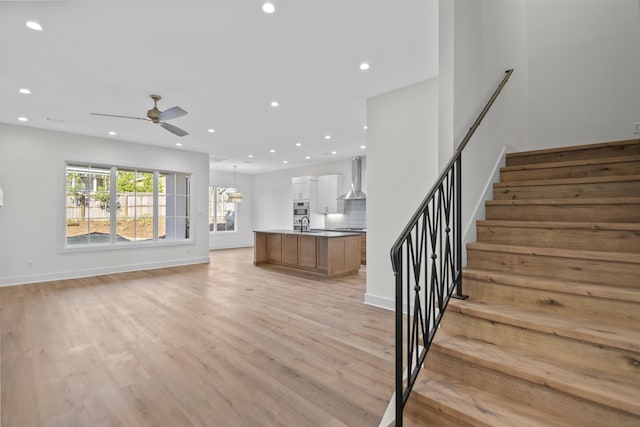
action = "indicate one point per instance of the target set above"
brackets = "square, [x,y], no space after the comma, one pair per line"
[571,191]
[576,354]
[569,155]
[579,411]
[556,303]
[565,213]
[582,171]
[422,413]
[589,271]
[562,238]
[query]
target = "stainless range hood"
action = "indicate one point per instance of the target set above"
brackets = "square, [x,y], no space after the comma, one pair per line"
[356,182]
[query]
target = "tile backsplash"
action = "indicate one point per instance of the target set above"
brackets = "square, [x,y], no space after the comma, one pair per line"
[354,216]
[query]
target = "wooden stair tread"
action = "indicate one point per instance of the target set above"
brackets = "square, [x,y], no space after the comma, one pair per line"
[622,257]
[476,406]
[593,331]
[569,181]
[618,226]
[574,148]
[550,284]
[549,330]
[563,201]
[570,163]
[616,391]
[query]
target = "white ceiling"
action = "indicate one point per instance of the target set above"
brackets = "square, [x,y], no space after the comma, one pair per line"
[223,61]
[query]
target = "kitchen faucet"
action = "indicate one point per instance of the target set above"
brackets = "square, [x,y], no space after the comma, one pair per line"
[302,223]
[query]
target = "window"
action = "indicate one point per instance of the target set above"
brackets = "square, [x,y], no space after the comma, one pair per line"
[134,205]
[113,205]
[222,213]
[87,205]
[174,212]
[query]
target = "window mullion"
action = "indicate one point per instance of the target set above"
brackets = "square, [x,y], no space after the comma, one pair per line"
[156,190]
[113,200]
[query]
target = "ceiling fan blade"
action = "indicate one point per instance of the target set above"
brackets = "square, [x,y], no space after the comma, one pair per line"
[174,129]
[121,117]
[171,113]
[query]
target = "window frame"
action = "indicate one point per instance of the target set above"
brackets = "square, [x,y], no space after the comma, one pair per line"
[215,206]
[113,244]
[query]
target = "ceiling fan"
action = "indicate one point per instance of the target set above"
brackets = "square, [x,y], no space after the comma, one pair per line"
[158,117]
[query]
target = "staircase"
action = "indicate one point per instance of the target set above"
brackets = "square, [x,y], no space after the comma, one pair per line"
[550,334]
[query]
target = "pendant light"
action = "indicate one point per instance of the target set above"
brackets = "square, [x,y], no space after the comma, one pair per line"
[236,196]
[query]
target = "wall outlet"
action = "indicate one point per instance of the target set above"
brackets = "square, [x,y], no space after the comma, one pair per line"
[636,128]
[29,264]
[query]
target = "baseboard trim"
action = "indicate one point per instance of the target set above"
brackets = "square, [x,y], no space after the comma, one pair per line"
[380,302]
[231,246]
[469,232]
[77,274]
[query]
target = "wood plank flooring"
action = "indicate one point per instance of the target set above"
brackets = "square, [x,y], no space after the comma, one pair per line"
[223,344]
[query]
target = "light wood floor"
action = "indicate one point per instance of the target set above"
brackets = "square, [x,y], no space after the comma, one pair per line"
[224,344]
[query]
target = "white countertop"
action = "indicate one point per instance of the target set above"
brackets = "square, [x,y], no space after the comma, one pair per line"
[316,233]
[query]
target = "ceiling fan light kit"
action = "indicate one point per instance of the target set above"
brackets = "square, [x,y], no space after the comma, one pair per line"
[156,116]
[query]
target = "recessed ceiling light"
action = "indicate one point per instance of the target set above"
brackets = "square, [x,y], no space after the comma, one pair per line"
[211,130]
[327,137]
[178,144]
[363,146]
[298,144]
[34,25]
[268,8]
[111,132]
[364,66]
[250,156]
[334,152]
[272,151]
[365,127]
[23,119]
[274,104]
[307,157]
[284,161]
[25,91]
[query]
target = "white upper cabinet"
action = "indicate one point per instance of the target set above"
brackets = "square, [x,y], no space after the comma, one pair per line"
[303,187]
[329,188]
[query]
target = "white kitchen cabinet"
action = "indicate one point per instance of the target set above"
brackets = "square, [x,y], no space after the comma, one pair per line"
[329,188]
[304,187]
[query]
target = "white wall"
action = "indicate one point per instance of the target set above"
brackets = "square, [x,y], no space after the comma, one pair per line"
[402,146]
[479,40]
[244,220]
[272,198]
[575,81]
[32,177]
[584,71]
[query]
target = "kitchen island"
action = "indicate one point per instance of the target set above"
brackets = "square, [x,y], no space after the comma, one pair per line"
[330,253]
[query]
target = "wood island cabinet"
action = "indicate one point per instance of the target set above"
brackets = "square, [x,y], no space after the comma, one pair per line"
[274,247]
[332,254]
[307,252]
[289,249]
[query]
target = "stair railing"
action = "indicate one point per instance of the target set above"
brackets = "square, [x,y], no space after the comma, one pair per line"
[427,265]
